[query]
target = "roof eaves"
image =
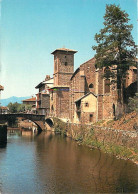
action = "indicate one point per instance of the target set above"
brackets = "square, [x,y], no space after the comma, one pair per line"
[85,96]
[75,72]
[64,50]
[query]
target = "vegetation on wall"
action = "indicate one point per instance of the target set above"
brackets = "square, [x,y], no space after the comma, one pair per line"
[87,136]
[59,126]
[133,103]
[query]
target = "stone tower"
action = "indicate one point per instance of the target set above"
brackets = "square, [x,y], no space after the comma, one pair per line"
[63,70]
[63,66]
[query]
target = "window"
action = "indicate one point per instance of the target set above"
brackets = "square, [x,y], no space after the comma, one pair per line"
[114,109]
[86,104]
[107,86]
[52,108]
[91,117]
[91,86]
[66,63]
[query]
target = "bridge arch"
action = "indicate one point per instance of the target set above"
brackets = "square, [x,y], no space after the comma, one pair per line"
[38,124]
[49,123]
[39,120]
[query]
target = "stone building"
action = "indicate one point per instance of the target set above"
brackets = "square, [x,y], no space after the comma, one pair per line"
[91,96]
[31,102]
[43,96]
[83,96]
[63,70]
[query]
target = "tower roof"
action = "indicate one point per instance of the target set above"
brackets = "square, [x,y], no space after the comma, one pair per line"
[64,50]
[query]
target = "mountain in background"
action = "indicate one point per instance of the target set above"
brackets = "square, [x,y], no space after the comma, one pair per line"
[13,99]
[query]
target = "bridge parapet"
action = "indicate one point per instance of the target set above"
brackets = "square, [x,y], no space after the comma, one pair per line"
[39,120]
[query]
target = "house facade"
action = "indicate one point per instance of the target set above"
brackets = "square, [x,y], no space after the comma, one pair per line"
[4,110]
[43,96]
[31,102]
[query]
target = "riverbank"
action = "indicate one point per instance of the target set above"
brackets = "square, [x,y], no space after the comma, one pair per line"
[121,143]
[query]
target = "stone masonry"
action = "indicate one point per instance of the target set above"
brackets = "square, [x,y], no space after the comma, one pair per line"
[83,96]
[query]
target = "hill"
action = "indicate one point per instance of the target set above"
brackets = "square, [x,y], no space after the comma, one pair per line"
[13,99]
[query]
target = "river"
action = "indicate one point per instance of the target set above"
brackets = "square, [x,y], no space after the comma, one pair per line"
[49,163]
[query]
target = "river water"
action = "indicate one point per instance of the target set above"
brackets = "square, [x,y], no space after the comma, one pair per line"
[49,163]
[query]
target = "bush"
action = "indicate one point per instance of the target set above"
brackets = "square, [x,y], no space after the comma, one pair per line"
[133,103]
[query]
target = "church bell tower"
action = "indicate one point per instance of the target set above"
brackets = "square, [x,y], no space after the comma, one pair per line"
[63,66]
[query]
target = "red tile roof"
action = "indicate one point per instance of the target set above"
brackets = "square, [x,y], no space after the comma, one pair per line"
[33,99]
[4,107]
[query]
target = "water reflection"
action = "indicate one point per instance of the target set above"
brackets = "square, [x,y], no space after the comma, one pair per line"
[82,170]
[48,163]
[3,145]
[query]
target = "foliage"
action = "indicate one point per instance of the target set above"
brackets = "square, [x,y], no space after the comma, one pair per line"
[13,107]
[133,103]
[60,126]
[16,107]
[116,49]
[28,107]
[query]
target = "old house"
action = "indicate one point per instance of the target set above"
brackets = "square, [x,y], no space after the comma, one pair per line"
[4,110]
[43,96]
[31,102]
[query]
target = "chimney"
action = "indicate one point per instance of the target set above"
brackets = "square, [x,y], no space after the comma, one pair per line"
[47,77]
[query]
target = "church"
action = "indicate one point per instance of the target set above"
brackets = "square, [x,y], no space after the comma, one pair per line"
[83,95]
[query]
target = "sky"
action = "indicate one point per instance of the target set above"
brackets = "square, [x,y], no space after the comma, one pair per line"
[31,29]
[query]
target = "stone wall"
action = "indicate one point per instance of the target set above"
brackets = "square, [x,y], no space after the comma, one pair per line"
[104,135]
[61,103]
[45,101]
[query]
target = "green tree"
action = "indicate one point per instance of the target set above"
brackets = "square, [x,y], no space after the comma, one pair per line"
[115,47]
[16,107]
[21,108]
[28,107]
[13,107]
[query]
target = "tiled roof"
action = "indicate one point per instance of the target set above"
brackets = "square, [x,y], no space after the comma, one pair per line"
[85,96]
[90,60]
[64,49]
[1,87]
[33,99]
[40,85]
[4,107]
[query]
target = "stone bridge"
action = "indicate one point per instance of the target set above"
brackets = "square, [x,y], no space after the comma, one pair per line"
[39,120]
